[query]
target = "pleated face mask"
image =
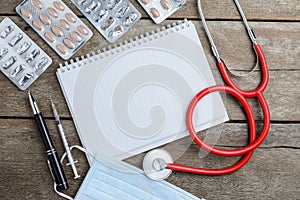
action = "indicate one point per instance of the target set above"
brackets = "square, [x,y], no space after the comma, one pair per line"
[114,180]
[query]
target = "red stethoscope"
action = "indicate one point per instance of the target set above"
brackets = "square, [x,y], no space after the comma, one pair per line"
[158,163]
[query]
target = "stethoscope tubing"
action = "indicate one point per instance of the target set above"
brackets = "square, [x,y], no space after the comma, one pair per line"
[257,93]
[264,72]
[196,138]
[241,96]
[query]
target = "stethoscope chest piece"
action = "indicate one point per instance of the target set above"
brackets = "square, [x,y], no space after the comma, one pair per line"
[155,164]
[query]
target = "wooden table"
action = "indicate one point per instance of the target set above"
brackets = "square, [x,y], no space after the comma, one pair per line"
[273,171]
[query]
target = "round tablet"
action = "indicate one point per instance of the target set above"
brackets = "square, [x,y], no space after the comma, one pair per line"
[155,163]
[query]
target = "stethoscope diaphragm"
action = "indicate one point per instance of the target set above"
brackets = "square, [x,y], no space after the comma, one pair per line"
[155,164]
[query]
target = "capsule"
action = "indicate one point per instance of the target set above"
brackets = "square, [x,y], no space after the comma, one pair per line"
[69,43]
[37,4]
[59,6]
[31,56]
[57,31]
[102,14]
[76,37]
[165,4]
[26,13]
[26,79]
[70,17]
[17,71]
[111,4]
[130,19]
[23,48]
[50,37]
[9,62]
[63,23]
[145,1]
[82,30]
[52,12]
[107,24]
[37,24]
[62,48]
[15,39]
[45,19]
[122,11]
[7,30]
[81,2]
[3,53]
[116,31]
[41,63]
[155,12]
[94,6]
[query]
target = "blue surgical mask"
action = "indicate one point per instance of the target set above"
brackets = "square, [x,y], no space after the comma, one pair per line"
[110,179]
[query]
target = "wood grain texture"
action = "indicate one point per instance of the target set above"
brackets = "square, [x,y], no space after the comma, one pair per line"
[279,40]
[282,98]
[278,178]
[271,173]
[221,9]
[282,65]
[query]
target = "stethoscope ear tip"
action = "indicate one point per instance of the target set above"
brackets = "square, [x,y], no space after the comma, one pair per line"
[155,164]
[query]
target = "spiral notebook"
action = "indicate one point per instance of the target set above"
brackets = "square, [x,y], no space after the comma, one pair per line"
[133,97]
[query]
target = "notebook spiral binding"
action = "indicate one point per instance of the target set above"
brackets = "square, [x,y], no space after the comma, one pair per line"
[122,46]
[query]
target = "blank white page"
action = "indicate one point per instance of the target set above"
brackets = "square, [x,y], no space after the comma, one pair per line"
[133,98]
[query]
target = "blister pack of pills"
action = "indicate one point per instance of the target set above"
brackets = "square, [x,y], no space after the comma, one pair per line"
[56,24]
[159,10]
[21,60]
[112,18]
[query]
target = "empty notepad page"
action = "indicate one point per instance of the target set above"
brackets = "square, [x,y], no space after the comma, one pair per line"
[133,98]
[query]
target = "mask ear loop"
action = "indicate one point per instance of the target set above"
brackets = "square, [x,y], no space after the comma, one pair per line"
[62,194]
[61,160]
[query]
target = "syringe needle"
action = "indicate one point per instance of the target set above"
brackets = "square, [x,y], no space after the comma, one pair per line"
[65,142]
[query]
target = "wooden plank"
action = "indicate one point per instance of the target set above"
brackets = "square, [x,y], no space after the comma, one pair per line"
[266,176]
[23,160]
[223,9]
[230,38]
[279,92]
[271,173]
[30,179]
[228,134]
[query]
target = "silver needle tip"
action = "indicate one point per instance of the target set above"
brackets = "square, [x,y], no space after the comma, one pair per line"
[55,112]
